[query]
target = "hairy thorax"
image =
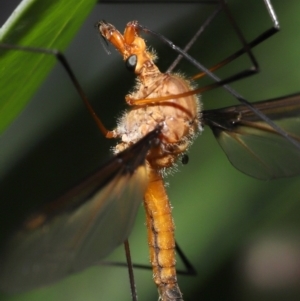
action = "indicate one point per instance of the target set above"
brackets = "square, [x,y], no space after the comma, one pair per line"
[177,117]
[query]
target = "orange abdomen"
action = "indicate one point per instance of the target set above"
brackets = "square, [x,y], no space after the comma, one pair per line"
[160,227]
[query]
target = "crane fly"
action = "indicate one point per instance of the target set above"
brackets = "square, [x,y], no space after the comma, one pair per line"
[146,151]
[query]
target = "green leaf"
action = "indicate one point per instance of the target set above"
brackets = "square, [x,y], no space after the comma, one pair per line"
[49,24]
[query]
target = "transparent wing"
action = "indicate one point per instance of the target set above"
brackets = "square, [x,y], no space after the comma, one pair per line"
[80,228]
[253,146]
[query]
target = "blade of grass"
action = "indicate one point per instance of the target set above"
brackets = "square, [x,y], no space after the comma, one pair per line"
[48,24]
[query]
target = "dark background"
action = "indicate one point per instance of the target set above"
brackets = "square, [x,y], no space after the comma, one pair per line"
[241,234]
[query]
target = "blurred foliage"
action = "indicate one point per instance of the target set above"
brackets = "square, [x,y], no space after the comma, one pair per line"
[44,24]
[217,210]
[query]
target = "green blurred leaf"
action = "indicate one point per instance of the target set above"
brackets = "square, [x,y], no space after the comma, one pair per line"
[48,24]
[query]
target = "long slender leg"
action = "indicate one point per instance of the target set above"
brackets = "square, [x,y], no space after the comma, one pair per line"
[62,59]
[247,46]
[218,82]
[189,269]
[130,271]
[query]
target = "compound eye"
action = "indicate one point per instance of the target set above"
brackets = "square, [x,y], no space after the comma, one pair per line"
[131,63]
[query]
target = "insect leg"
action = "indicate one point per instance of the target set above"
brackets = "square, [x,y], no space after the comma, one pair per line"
[62,59]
